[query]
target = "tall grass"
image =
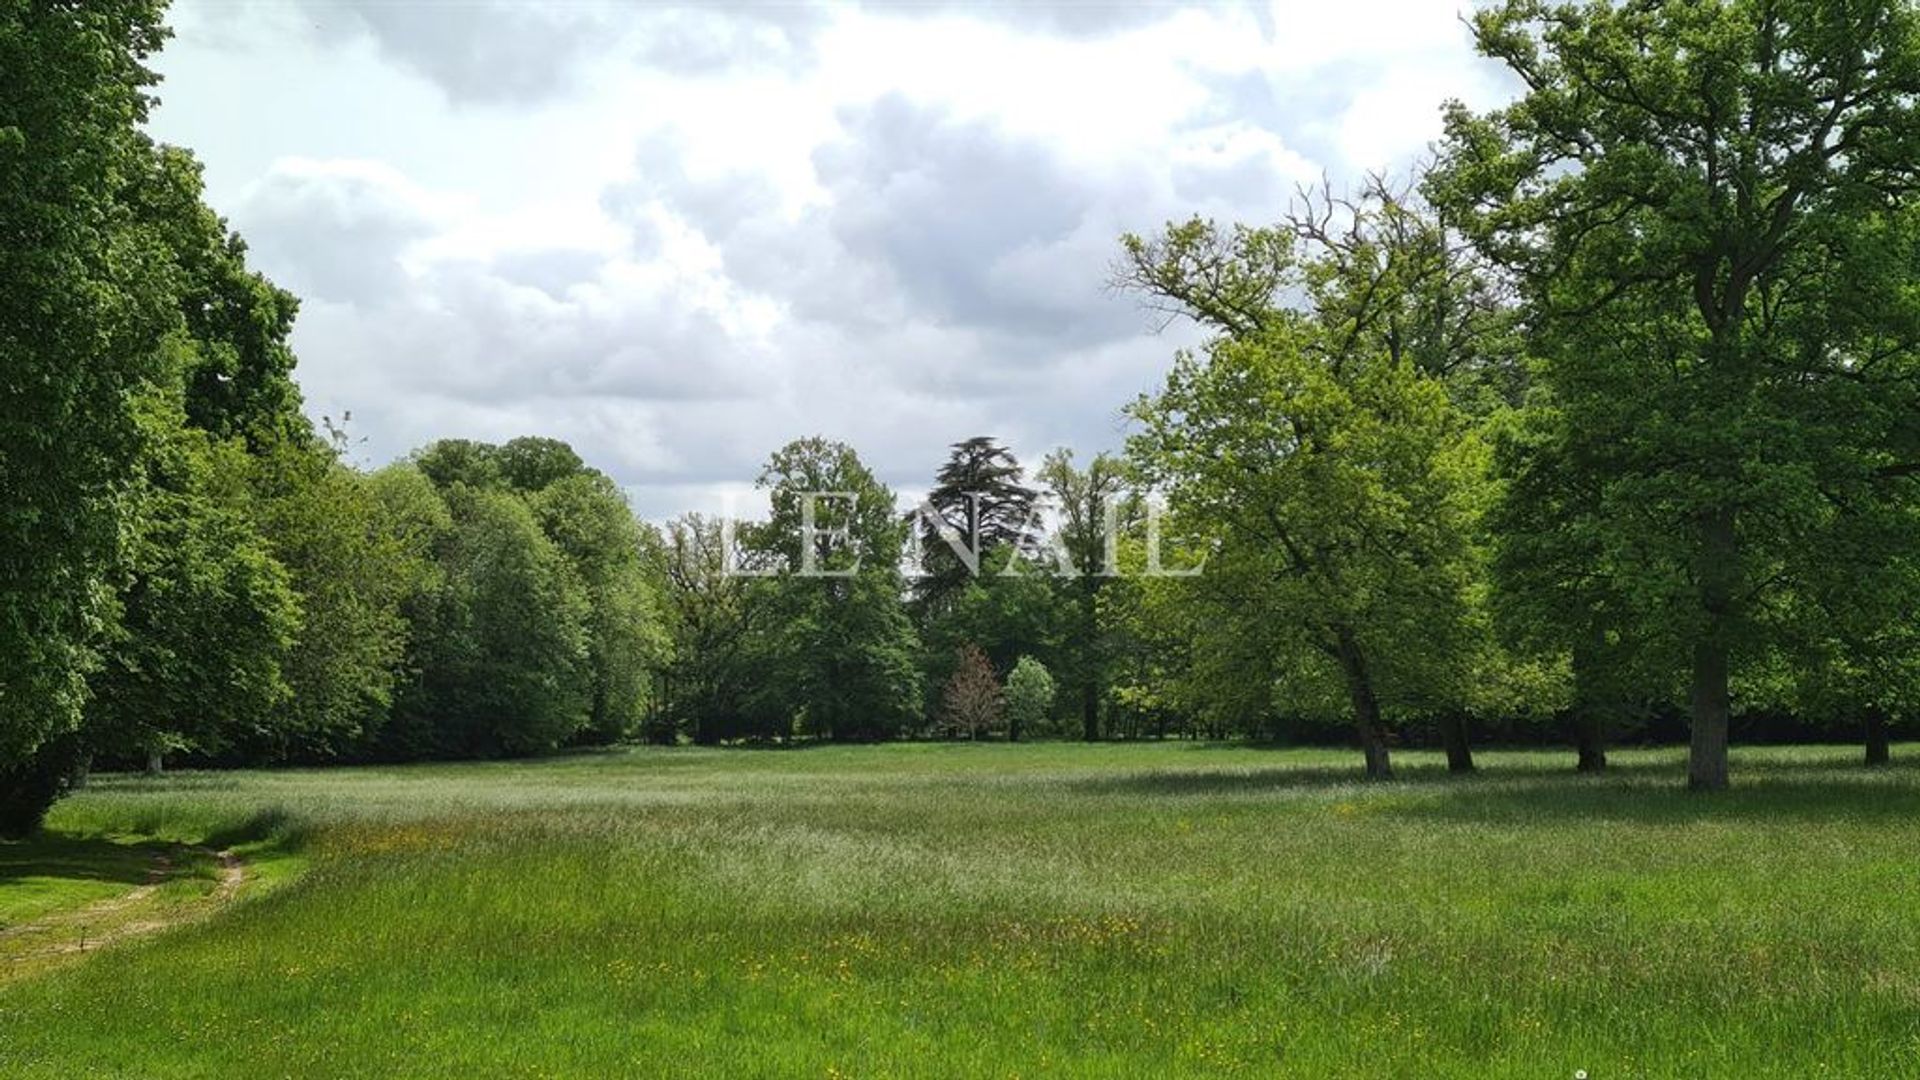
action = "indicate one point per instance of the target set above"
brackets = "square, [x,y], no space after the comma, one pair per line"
[998,910]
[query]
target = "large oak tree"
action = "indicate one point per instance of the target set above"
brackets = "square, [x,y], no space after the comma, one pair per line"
[1707,209]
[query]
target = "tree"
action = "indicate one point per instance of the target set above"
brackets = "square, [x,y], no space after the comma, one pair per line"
[1011,609]
[585,514]
[353,567]
[238,380]
[412,508]
[1336,478]
[1707,210]
[533,464]
[588,517]
[1095,506]
[1553,594]
[1351,492]
[843,656]
[206,616]
[979,505]
[1158,651]
[1029,698]
[1851,626]
[972,704]
[719,624]
[504,652]
[528,616]
[85,311]
[460,461]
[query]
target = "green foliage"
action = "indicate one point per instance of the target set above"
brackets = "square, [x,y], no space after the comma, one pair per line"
[1708,211]
[460,461]
[985,573]
[1097,509]
[1011,608]
[503,644]
[1338,489]
[1029,699]
[31,783]
[534,464]
[414,510]
[587,517]
[205,612]
[717,620]
[85,311]
[474,688]
[978,505]
[841,653]
[206,615]
[353,566]
[239,379]
[1613,409]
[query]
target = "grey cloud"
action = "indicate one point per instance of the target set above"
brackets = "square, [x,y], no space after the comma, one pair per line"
[494,52]
[1248,187]
[716,205]
[331,236]
[1062,18]
[976,228]
[552,271]
[486,51]
[728,37]
[544,322]
[496,342]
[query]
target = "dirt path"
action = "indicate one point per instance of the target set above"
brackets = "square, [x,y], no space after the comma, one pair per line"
[138,912]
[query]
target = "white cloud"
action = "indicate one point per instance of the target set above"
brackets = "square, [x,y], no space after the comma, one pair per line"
[679,238]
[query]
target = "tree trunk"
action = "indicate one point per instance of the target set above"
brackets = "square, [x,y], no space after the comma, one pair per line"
[1454,736]
[1879,750]
[1589,715]
[1590,742]
[155,761]
[1712,697]
[703,732]
[1366,706]
[83,772]
[1712,707]
[1090,711]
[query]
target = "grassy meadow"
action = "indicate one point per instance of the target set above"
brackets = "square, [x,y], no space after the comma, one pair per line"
[981,910]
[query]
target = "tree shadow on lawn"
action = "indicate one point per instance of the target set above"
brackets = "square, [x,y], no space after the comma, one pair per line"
[1637,792]
[1802,794]
[132,862]
[50,855]
[273,824]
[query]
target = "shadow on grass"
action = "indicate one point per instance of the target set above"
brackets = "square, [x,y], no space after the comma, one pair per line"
[274,826]
[1202,782]
[131,862]
[69,858]
[1418,774]
[1644,792]
[1771,792]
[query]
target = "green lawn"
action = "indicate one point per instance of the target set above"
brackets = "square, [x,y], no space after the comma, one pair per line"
[995,911]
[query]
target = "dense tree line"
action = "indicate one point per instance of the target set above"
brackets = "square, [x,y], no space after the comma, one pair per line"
[1605,421]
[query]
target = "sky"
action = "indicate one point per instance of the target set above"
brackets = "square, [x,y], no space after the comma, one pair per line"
[678,238]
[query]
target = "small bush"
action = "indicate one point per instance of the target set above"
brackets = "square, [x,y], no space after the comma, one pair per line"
[1029,698]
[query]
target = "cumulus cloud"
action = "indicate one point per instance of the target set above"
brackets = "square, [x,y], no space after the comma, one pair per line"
[680,237]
